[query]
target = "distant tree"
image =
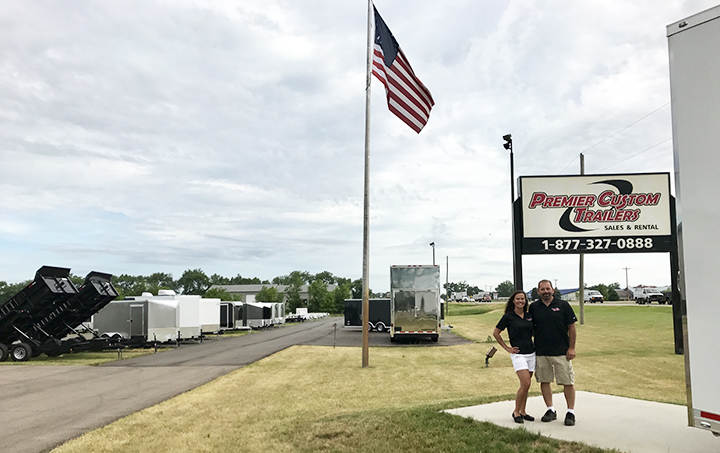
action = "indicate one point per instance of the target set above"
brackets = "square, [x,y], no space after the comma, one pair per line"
[453,287]
[292,298]
[194,282]
[534,295]
[162,280]
[612,294]
[472,290]
[339,295]
[356,288]
[326,277]
[298,278]
[8,290]
[77,280]
[505,288]
[317,292]
[269,294]
[603,290]
[222,294]
[216,279]
[130,285]
[327,304]
[240,280]
[342,280]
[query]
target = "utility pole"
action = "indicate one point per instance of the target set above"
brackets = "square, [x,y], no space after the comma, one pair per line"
[581,291]
[627,288]
[447,284]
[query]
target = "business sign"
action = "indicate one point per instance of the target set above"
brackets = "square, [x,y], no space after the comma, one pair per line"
[596,214]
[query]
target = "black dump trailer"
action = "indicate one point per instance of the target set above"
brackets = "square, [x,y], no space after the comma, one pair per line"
[45,298]
[41,315]
[95,293]
[379,314]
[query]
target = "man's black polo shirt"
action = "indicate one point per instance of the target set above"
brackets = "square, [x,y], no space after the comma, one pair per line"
[520,331]
[551,326]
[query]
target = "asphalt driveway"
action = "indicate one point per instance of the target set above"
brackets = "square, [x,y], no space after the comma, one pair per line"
[44,406]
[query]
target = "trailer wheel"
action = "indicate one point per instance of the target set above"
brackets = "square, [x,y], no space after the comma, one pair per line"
[435,338]
[380,327]
[4,352]
[21,352]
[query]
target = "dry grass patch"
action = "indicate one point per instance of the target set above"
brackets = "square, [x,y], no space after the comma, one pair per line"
[310,398]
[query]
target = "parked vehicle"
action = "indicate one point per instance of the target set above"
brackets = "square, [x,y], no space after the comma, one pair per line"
[593,296]
[378,316]
[646,295]
[43,316]
[415,302]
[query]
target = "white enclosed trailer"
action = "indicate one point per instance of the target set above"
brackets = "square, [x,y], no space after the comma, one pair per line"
[142,319]
[694,46]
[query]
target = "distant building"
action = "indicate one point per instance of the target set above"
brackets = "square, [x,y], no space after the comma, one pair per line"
[569,294]
[248,292]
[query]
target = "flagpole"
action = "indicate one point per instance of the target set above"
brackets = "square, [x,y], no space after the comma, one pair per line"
[366,204]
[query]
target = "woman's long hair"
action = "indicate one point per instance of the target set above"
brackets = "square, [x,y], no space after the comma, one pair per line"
[511,302]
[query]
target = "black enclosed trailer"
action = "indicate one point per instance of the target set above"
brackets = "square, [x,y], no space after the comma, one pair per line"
[231,315]
[378,315]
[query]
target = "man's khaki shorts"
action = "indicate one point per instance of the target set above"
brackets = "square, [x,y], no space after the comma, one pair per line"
[551,368]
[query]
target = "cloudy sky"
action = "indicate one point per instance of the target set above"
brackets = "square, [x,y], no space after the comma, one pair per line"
[158,136]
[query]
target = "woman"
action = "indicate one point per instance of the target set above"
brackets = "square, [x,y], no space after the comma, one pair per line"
[519,324]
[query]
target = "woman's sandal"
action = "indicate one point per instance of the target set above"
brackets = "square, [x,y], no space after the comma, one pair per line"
[518,419]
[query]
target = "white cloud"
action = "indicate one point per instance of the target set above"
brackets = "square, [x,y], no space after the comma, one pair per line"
[144,136]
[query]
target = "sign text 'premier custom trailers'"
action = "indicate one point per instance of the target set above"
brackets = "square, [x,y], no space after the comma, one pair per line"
[694,46]
[415,302]
[611,213]
[42,317]
[379,315]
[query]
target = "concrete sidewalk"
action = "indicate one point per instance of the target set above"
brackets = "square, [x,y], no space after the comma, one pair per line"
[607,421]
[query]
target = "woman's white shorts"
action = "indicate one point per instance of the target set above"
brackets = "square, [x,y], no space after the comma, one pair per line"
[523,362]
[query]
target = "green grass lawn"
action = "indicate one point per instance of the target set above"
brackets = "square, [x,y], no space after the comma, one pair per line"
[312,398]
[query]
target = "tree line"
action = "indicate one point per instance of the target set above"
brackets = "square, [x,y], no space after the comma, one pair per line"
[506,288]
[197,282]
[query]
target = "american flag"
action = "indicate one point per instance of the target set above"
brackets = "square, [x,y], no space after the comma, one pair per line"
[407,97]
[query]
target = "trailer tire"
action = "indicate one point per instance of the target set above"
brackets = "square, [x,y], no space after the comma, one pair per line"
[4,352]
[435,338]
[380,327]
[21,352]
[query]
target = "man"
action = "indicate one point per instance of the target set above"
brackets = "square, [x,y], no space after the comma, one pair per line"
[555,336]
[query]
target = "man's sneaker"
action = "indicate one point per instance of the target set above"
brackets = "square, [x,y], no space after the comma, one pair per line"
[570,419]
[549,416]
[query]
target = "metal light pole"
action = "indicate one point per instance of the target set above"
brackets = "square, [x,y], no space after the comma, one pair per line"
[432,244]
[509,146]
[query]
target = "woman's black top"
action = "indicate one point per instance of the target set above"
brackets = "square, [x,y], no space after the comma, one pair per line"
[520,331]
